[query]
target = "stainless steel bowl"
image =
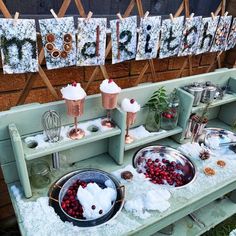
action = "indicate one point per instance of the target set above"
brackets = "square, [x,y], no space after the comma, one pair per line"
[87,175]
[219,136]
[186,166]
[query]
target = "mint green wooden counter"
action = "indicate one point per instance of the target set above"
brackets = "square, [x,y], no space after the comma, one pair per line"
[109,152]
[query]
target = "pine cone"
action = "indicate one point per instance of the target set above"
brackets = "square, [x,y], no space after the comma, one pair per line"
[204,155]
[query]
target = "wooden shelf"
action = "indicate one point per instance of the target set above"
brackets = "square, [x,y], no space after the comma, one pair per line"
[31,154]
[211,215]
[216,123]
[227,99]
[153,138]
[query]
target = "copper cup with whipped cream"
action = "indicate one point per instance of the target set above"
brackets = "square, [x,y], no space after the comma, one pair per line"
[131,107]
[74,96]
[110,91]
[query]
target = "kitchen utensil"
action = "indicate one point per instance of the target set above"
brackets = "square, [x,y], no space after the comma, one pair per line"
[51,123]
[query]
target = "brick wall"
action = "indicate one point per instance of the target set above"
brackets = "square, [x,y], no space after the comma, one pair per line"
[125,74]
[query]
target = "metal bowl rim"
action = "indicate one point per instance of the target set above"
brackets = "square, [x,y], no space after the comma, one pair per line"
[73,173]
[167,147]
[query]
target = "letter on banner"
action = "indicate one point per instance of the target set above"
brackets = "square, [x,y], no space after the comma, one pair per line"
[124,39]
[207,33]
[18,46]
[148,38]
[171,33]
[222,31]
[190,36]
[91,42]
[58,37]
[231,41]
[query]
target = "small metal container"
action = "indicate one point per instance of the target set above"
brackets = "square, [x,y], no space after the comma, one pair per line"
[208,94]
[196,90]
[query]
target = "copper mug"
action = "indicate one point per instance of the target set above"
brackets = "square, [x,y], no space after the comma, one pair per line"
[109,100]
[75,107]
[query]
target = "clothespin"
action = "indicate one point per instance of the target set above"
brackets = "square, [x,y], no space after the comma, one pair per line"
[146,14]
[226,13]
[90,14]
[213,15]
[119,16]
[172,17]
[16,18]
[54,14]
[219,54]
[192,15]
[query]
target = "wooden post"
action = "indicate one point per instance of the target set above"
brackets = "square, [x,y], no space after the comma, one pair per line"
[4,10]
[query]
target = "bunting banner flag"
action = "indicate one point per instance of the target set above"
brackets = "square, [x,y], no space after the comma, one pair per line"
[64,45]
[171,33]
[58,36]
[18,46]
[91,43]
[148,40]
[124,39]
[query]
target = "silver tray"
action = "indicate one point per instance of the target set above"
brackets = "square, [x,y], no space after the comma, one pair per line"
[214,137]
[185,166]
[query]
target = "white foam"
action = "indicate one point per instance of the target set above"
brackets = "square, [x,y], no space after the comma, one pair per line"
[127,106]
[111,87]
[94,195]
[71,92]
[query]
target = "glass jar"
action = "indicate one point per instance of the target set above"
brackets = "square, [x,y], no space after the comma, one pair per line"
[40,174]
[153,120]
[169,118]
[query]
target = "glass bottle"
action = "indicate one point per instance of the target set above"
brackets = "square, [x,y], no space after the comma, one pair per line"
[169,118]
[153,120]
[40,174]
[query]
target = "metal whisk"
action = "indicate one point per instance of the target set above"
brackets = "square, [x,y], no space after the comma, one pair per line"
[51,123]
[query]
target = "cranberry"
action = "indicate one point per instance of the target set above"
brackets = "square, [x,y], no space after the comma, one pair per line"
[132,101]
[74,84]
[168,116]
[110,80]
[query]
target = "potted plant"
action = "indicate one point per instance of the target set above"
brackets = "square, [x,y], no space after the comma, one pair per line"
[156,105]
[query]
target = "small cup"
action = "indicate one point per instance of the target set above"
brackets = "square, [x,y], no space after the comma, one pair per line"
[109,101]
[75,107]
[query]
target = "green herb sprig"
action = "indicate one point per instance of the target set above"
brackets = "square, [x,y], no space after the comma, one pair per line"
[158,100]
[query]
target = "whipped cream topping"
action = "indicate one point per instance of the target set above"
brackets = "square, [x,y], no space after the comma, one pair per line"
[95,200]
[73,92]
[109,86]
[130,105]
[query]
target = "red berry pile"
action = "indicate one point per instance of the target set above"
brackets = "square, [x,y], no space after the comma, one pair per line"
[164,172]
[70,204]
[167,115]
